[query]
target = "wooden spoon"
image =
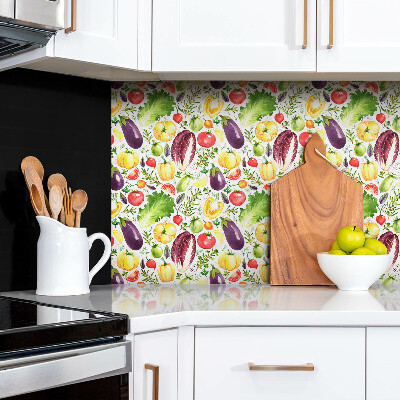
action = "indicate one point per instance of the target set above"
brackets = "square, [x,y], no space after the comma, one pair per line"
[79,201]
[57,180]
[35,164]
[32,178]
[56,201]
[36,200]
[60,181]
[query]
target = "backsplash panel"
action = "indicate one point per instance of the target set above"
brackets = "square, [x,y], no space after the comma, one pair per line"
[192,164]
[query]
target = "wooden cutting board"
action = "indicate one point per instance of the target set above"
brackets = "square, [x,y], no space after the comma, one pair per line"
[308,207]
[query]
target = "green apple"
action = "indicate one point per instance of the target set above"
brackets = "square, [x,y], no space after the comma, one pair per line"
[375,245]
[363,251]
[335,246]
[337,252]
[350,238]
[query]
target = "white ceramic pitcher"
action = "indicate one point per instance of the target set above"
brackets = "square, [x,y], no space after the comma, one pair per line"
[63,258]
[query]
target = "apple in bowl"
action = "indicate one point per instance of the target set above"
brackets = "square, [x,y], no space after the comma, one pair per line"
[354,261]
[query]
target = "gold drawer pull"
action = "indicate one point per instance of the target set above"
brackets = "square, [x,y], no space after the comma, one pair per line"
[305,367]
[72,28]
[155,369]
[305,26]
[330,45]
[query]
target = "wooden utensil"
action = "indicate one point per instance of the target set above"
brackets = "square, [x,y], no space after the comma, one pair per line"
[69,213]
[309,205]
[60,181]
[33,162]
[79,201]
[56,201]
[36,200]
[32,178]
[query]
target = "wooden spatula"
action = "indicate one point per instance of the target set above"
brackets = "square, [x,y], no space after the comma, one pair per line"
[56,201]
[32,178]
[36,200]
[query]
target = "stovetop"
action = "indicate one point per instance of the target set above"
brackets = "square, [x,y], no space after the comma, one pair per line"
[28,325]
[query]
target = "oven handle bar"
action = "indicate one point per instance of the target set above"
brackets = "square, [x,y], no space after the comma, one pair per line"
[30,374]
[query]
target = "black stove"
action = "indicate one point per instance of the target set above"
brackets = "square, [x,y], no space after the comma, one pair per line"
[35,327]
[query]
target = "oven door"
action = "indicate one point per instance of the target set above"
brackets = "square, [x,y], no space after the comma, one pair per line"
[70,367]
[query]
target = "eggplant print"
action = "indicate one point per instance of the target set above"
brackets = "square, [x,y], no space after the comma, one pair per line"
[285,149]
[183,251]
[387,149]
[217,179]
[334,132]
[183,149]
[132,236]
[232,234]
[216,278]
[233,133]
[319,84]
[132,134]
[117,180]
[217,84]
[391,241]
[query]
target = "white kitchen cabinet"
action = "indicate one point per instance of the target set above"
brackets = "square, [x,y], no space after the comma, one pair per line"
[365,36]
[159,349]
[104,44]
[232,35]
[106,33]
[382,355]
[222,357]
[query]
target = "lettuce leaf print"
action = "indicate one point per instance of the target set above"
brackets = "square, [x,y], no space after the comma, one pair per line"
[158,206]
[256,210]
[157,105]
[370,204]
[259,105]
[361,105]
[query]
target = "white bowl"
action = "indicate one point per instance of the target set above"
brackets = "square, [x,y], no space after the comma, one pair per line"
[349,272]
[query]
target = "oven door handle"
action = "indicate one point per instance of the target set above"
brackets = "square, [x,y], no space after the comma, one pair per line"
[30,374]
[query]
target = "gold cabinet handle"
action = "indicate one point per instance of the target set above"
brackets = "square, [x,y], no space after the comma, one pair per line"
[305,25]
[305,367]
[330,45]
[72,28]
[155,369]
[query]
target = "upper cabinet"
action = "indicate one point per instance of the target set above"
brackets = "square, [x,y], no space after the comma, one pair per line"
[234,36]
[362,36]
[223,39]
[105,39]
[105,33]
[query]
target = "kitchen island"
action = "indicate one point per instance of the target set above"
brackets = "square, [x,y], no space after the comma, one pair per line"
[317,338]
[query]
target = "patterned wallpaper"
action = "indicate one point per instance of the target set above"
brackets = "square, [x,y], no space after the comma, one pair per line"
[192,164]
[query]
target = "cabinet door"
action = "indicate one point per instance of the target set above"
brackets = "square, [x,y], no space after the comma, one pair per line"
[106,34]
[233,35]
[222,357]
[159,349]
[365,36]
[382,356]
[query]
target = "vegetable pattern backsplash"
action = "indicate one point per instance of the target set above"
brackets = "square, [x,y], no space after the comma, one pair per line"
[192,164]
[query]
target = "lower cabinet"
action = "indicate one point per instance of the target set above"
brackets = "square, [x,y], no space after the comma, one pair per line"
[257,363]
[282,360]
[382,355]
[155,365]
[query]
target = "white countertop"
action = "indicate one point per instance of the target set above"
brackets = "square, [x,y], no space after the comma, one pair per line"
[156,307]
